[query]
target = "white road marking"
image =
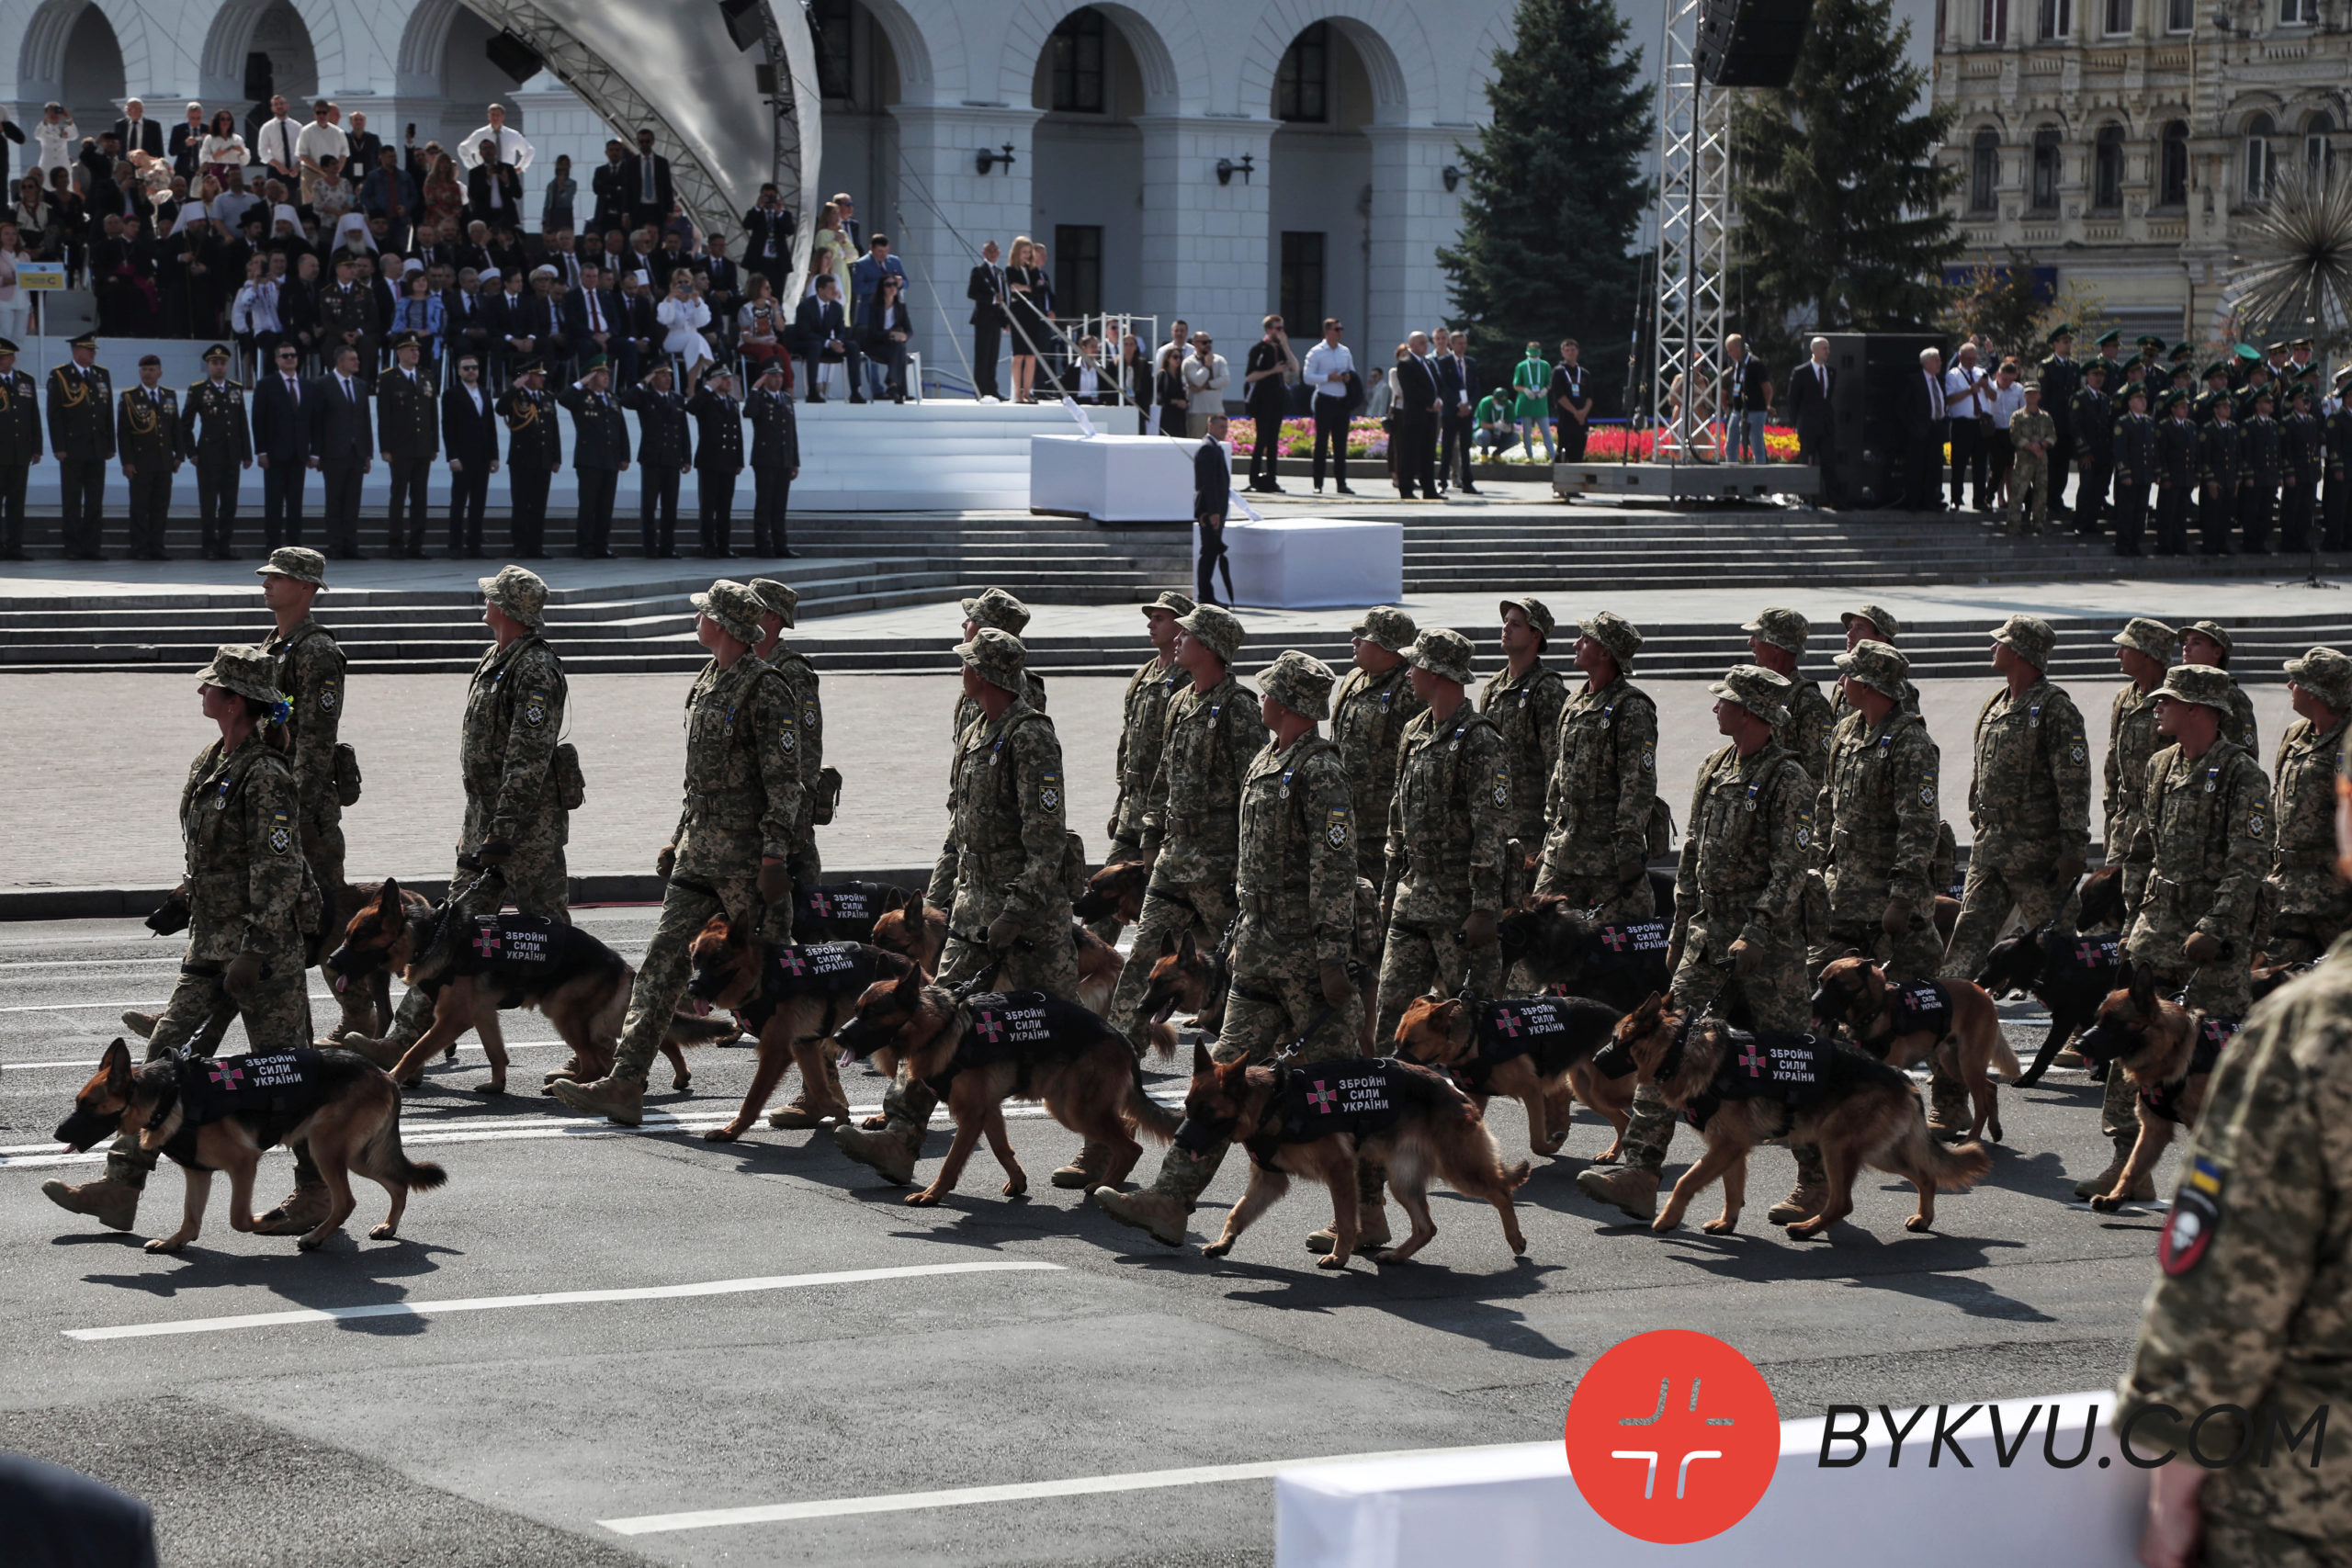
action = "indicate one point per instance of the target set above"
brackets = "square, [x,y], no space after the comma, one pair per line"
[142,1002]
[511,1045]
[964,1496]
[550,1297]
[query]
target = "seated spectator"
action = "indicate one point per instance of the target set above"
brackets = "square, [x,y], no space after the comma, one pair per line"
[507,252]
[466,317]
[1089,378]
[885,332]
[760,326]
[418,312]
[822,337]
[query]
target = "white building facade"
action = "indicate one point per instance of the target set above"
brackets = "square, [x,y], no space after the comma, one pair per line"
[1208,159]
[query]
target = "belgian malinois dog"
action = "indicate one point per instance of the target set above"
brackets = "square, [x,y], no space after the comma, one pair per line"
[2167,1052]
[1536,1050]
[1950,1020]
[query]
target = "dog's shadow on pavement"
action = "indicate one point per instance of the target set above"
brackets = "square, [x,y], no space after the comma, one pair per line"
[341,1274]
[1929,1265]
[1426,1294]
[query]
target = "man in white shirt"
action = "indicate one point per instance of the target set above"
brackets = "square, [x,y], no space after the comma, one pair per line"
[1968,391]
[1205,378]
[275,144]
[1329,366]
[2003,400]
[320,138]
[513,147]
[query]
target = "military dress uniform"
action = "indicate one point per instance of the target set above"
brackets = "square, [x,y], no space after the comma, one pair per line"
[2336,506]
[2060,377]
[2030,472]
[599,453]
[2259,465]
[81,434]
[776,457]
[1526,711]
[408,432]
[2302,452]
[718,460]
[2218,473]
[217,439]
[534,452]
[2133,445]
[2030,802]
[2130,741]
[147,421]
[310,672]
[1143,715]
[2175,480]
[1369,713]
[2091,421]
[664,450]
[2306,905]
[20,443]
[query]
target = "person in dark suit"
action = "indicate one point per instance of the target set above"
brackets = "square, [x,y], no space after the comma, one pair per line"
[775,459]
[282,446]
[494,193]
[664,454]
[135,133]
[825,339]
[60,1518]
[469,443]
[408,436]
[719,458]
[342,447]
[534,453]
[1415,406]
[1212,497]
[1811,387]
[645,184]
[1457,391]
[767,235]
[604,184]
[1266,376]
[1924,425]
[887,332]
[986,291]
[600,456]
[591,318]
[186,145]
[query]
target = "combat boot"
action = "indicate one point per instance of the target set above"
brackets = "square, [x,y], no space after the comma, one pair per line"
[1163,1214]
[1802,1203]
[2067,1056]
[1631,1188]
[302,1210]
[1372,1216]
[890,1151]
[2104,1182]
[110,1201]
[142,1024]
[617,1099]
[1949,1110]
[1086,1170]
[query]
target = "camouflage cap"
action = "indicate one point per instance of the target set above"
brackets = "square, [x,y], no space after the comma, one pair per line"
[2213,631]
[998,655]
[520,592]
[1301,682]
[294,562]
[1615,633]
[1538,613]
[1442,651]
[1784,630]
[1385,627]
[1216,625]
[995,607]
[1175,603]
[2031,636]
[245,670]
[1764,693]
[2325,675]
[2198,683]
[1881,666]
[1888,629]
[734,607]
[778,598]
[2154,639]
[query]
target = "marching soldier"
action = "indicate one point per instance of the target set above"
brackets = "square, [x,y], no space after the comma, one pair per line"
[1143,720]
[2306,903]
[215,433]
[2033,439]
[599,456]
[1525,701]
[780,608]
[2338,438]
[2259,454]
[2091,421]
[534,453]
[2145,649]
[2134,447]
[2219,469]
[1448,823]
[1369,713]
[311,673]
[1604,786]
[718,460]
[2302,449]
[1776,640]
[2059,377]
[729,850]
[1738,902]
[408,437]
[149,420]
[20,450]
[1008,906]
[665,455]
[2029,800]
[2208,642]
[1868,623]
[1291,949]
[775,460]
[994,607]
[2176,474]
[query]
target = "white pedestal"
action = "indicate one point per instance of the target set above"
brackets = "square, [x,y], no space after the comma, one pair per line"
[1113,479]
[1301,563]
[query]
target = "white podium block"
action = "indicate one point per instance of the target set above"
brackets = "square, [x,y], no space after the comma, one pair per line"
[1303,563]
[1113,479]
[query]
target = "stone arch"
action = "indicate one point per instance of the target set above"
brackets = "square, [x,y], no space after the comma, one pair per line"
[236,27]
[918,82]
[1379,30]
[424,43]
[1034,20]
[75,53]
[40,51]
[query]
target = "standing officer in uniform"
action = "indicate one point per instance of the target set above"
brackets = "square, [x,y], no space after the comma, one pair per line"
[1525,700]
[2029,800]
[665,455]
[2208,642]
[1291,987]
[20,450]
[213,432]
[599,456]
[2060,378]
[2202,848]
[2091,423]
[1008,907]
[2302,449]
[2033,437]
[775,461]
[718,459]
[1142,723]
[408,437]
[149,422]
[1738,901]
[81,431]
[310,672]
[534,453]
[2134,446]
[1369,713]
[2259,455]
[1448,823]
[2175,473]
[729,850]
[2219,469]
[2145,649]
[2306,904]
[1603,786]
[994,607]
[2337,432]
[1776,639]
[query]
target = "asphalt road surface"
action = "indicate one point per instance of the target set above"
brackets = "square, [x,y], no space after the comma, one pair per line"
[863,1362]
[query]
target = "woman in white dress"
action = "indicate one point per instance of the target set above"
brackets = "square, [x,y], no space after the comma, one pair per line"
[683,316]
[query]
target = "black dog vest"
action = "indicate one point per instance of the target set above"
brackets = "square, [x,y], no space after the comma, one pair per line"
[1922,1005]
[817,969]
[2100,952]
[1508,1028]
[2212,1034]
[1619,948]
[278,1088]
[1789,1068]
[1356,1095]
[1022,1027]
[844,905]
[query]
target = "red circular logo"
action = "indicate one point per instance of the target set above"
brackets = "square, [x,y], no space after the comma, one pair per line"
[1673,1436]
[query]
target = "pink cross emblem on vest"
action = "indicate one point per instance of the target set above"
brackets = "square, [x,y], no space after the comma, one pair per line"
[486,940]
[1509,1023]
[1322,1098]
[791,962]
[1753,1060]
[2088,951]
[227,1074]
[822,905]
[990,1030]
[1614,938]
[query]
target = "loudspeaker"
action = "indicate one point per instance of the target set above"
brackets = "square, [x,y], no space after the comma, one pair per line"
[1750,43]
[744,24]
[1866,411]
[515,57]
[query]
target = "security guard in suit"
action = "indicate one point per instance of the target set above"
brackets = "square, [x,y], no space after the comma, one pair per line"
[534,452]
[149,420]
[81,431]
[214,433]
[20,450]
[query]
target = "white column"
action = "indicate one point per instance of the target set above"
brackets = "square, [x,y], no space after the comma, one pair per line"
[1412,215]
[1204,243]
[946,209]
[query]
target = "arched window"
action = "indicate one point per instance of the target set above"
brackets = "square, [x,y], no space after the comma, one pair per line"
[2106,169]
[1983,169]
[2173,187]
[2261,171]
[2319,151]
[1075,51]
[2045,169]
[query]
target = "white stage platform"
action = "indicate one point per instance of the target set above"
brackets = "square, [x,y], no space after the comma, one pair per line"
[1302,563]
[1113,479]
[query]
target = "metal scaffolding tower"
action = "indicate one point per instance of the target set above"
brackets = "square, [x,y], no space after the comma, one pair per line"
[1693,226]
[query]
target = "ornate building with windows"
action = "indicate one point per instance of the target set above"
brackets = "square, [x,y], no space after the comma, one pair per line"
[2124,143]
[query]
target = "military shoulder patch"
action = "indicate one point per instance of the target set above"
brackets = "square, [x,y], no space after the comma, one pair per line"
[2196,1217]
[2255,824]
[1335,828]
[281,832]
[535,709]
[1502,787]
[1927,796]
[1049,791]
[328,696]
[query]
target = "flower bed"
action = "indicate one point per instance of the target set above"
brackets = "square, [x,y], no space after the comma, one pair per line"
[1607,444]
[1365,438]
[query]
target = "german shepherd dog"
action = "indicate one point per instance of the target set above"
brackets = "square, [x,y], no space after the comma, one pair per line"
[2167,1052]
[977,1051]
[344,1106]
[1317,1120]
[2069,972]
[1189,977]
[1537,1050]
[576,982]
[1857,1112]
[1958,1026]
[1563,946]
[918,931]
[793,1015]
[1114,892]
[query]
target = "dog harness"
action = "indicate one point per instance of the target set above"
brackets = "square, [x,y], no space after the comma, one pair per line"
[824,968]
[2212,1034]
[518,947]
[279,1088]
[1022,1027]
[1358,1097]
[1508,1028]
[844,903]
[1616,949]
[2099,953]
[1788,1068]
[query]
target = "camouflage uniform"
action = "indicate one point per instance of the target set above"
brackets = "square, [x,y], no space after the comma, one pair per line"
[514,720]
[1526,709]
[2130,741]
[2029,470]
[1369,713]
[1878,821]
[2237,725]
[995,607]
[1888,629]
[2253,1309]
[1806,732]
[311,673]
[2306,903]
[1143,716]
[1192,816]
[801,681]
[2030,802]
[1604,785]
[1448,824]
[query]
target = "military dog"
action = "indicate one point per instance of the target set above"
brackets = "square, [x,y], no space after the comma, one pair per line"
[1950,1021]
[793,997]
[1317,1121]
[915,930]
[845,911]
[1114,892]
[1562,946]
[2167,1052]
[1537,1050]
[219,1115]
[1742,1090]
[977,1051]
[1185,975]
[2067,972]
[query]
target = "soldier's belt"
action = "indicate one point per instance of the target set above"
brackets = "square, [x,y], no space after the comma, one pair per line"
[728,796]
[1718,905]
